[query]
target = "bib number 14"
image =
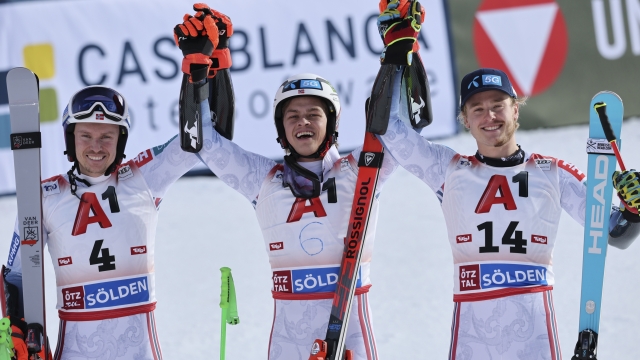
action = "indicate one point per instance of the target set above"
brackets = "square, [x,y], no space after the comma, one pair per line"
[511,237]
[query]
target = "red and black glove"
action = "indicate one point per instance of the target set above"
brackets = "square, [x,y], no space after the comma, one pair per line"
[18,331]
[197,37]
[399,24]
[221,57]
[30,346]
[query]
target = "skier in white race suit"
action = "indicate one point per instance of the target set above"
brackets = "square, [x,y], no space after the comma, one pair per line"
[303,208]
[99,223]
[502,208]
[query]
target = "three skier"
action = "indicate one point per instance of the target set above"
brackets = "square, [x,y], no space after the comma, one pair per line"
[502,208]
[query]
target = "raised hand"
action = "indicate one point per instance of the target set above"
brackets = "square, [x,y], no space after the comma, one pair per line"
[399,24]
[197,37]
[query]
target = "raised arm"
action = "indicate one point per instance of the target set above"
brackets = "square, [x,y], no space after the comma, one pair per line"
[164,164]
[242,170]
[421,157]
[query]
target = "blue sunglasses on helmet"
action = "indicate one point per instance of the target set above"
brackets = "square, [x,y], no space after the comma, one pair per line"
[97,98]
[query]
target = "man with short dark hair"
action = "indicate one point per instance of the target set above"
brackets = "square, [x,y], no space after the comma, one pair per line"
[99,221]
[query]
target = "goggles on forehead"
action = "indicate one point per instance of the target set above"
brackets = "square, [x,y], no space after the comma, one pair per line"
[303,183]
[97,98]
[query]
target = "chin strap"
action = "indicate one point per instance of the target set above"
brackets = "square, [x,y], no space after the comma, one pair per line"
[72,181]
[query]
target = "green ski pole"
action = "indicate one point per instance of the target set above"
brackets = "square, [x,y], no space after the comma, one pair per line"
[6,343]
[229,307]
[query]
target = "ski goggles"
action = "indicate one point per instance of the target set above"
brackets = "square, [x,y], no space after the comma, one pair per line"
[98,98]
[302,182]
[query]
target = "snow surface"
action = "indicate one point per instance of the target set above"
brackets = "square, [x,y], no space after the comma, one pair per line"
[205,225]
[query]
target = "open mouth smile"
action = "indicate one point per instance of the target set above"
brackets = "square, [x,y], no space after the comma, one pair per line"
[304,135]
[96,157]
[492,128]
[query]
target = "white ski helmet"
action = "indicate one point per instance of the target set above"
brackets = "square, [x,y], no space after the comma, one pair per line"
[100,105]
[308,85]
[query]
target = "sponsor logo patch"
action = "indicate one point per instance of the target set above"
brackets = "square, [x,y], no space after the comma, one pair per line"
[307,281]
[490,276]
[463,238]
[138,250]
[277,178]
[344,164]
[125,172]
[160,148]
[143,158]
[539,239]
[30,236]
[543,164]
[463,162]
[276,246]
[106,294]
[493,80]
[572,169]
[599,146]
[65,261]
[50,188]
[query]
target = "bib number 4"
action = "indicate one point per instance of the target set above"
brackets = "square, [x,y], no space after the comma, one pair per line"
[100,256]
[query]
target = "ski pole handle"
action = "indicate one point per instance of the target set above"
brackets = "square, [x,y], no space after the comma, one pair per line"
[228,305]
[228,297]
[601,109]
[224,305]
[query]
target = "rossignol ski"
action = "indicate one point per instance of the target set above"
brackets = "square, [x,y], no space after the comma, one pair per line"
[378,107]
[333,347]
[24,108]
[602,163]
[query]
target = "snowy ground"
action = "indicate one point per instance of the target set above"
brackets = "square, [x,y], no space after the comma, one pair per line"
[204,225]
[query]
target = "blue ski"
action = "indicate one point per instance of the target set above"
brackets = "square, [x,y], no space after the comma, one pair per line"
[602,164]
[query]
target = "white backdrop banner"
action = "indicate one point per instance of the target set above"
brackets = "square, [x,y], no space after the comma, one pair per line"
[128,45]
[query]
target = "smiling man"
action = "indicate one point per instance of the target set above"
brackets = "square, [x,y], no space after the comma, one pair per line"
[502,208]
[302,206]
[99,222]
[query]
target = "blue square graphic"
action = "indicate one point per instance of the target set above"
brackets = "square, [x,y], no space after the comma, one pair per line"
[5,131]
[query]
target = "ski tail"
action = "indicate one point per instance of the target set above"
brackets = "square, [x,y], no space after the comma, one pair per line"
[222,103]
[191,95]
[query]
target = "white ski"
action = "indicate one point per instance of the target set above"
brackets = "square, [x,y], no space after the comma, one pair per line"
[24,107]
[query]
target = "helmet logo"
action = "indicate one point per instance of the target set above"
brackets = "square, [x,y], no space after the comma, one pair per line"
[495,80]
[473,82]
[193,130]
[99,116]
[300,91]
[415,109]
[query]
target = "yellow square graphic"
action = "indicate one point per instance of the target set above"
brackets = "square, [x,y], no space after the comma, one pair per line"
[39,59]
